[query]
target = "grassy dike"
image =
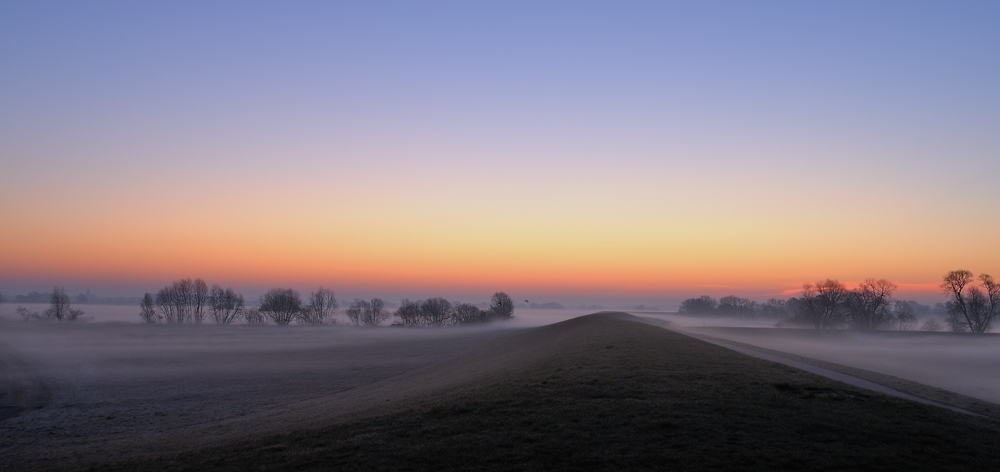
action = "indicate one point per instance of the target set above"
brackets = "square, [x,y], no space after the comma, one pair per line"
[607,392]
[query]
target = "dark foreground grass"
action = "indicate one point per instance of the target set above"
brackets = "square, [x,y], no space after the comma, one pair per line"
[613,394]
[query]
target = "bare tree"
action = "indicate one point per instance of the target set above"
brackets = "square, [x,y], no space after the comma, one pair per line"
[869,306]
[59,307]
[147,310]
[903,316]
[253,316]
[165,305]
[357,310]
[738,307]
[435,311]
[466,313]
[226,305]
[28,315]
[971,307]
[367,313]
[281,305]
[375,314]
[321,308]
[183,301]
[501,307]
[824,303]
[703,305]
[409,312]
[774,308]
[199,298]
[931,324]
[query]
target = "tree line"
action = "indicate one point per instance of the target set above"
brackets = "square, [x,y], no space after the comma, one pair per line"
[192,301]
[60,308]
[973,304]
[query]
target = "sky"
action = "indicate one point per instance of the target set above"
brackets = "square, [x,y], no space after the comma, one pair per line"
[576,151]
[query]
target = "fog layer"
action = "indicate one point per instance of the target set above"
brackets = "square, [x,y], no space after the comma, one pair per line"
[965,363]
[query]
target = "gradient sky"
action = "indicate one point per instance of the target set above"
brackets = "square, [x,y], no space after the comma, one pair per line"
[584,151]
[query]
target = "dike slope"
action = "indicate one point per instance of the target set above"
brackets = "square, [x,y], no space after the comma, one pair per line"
[610,392]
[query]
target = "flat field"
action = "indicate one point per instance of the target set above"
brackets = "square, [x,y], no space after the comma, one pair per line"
[606,391]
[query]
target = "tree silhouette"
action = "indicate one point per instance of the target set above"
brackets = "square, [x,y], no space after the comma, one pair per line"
[28,315]
[226,305]
[824,304]
[435,311]
[147,309]
[775,308]
[703,305]
[375,314]
[368,313]
[183,301]
[321,308]
[356,310]
[738,307]
[59,307]
[281,305]
[501,307]
[199,298]
[903,316]
[972,307]
[870,305]
[253,316]
[466,313]
[409,313]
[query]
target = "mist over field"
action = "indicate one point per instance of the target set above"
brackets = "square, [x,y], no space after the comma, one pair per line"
[958,362]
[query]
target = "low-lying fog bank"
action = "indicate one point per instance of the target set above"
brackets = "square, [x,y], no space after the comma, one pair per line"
[965,363]
[78,388]
[69,388]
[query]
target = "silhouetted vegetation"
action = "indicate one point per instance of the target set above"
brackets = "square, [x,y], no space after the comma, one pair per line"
[501,307]
[738,307]
[971,307]
[59,309]
[870,307]
[777,309]
[368,313]
[829,304]
[436,311]
[703,305]
[440,312]
[903,318]
[79,299]
[147,310]
[226,305]
[28,315]
[409,313]
[931,325]
[281,306]
[253,316]
[321,308]
[465,313]
[182,302]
